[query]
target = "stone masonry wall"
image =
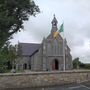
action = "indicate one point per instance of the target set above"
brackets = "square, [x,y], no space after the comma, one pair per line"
[36,79]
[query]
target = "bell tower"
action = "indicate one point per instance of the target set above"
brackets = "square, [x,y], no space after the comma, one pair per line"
[54,24]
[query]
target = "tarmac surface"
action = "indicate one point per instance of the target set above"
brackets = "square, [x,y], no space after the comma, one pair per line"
[83,86]
[75,87]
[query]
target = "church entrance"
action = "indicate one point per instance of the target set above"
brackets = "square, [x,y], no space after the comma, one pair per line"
[25,66]
[55,65]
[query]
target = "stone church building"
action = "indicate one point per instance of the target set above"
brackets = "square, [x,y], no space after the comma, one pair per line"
[46,56]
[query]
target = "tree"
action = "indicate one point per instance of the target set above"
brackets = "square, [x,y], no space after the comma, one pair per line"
[76,63]
[12,15]
[7,56]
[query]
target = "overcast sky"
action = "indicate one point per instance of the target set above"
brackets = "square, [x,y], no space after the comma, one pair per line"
[76,17]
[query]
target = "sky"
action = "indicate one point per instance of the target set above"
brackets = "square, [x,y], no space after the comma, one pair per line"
[76,17]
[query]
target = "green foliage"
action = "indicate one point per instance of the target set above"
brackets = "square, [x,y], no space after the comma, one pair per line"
[76,63]
[19,71]
[3,68]
[12,15]
[85,66]
[7,56]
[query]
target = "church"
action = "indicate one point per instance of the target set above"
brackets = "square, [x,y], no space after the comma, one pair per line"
[47,56]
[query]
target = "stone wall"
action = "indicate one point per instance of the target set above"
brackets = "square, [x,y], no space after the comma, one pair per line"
[36,79]
[20,61]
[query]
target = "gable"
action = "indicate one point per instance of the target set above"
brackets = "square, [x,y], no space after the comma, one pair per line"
[51,37]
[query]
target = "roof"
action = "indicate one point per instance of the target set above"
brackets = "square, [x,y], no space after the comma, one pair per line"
[29,48]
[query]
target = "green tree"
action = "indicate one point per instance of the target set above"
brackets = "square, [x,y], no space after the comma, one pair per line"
[76,63]
[85,65]
[7,56]
[12,55]
[12,15]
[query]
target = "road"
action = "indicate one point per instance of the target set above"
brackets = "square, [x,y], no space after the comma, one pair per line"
[83,86]
[76,87]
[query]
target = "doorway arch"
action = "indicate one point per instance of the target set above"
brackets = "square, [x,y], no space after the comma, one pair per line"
[55,64]
[25,66]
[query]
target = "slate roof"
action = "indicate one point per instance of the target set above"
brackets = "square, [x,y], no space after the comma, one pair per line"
[29,48]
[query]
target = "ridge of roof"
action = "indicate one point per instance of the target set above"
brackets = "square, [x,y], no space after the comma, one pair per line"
[29,43]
